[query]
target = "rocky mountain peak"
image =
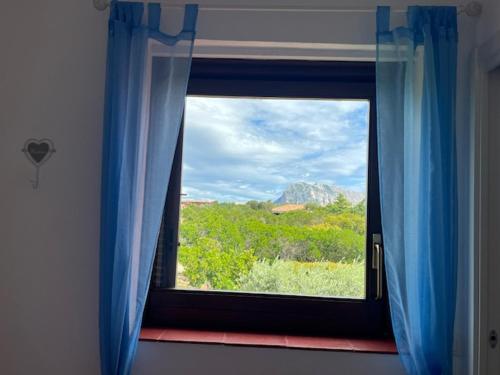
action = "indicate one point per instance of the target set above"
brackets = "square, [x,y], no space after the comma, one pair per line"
[322,194]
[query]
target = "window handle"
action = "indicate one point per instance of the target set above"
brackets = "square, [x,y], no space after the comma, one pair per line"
[378,263]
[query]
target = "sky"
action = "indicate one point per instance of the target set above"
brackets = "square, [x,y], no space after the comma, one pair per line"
[240,149]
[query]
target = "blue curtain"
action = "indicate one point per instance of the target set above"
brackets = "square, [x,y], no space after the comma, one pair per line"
[416,84]
[147,75]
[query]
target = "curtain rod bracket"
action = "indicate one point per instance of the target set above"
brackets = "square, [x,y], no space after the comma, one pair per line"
[472,9]
[101,4]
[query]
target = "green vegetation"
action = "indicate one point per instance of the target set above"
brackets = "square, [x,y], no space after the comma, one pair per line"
[313,251]
[312,278]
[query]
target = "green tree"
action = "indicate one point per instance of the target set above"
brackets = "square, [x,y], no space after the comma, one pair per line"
[340,205]
[360,208]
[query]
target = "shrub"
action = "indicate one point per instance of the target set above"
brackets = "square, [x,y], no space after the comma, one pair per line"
[206,263]
[221,241]
[315,279]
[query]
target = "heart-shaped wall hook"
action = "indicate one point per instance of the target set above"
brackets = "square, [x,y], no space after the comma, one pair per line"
[38,151]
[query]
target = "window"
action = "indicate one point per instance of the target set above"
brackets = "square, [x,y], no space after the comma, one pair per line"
[272,218]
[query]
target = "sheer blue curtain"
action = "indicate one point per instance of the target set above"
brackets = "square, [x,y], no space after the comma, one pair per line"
[416,80]
[147,75]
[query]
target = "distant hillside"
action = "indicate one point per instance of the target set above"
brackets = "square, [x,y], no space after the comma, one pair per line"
[322,194]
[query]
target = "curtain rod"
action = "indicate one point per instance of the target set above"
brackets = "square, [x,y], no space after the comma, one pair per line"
[471,9]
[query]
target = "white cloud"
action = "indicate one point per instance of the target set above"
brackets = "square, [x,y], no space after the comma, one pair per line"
[241,149]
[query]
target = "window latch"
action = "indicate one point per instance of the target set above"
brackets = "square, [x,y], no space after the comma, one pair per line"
[378,263]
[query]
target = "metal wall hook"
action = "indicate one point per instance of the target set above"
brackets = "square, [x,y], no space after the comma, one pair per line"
[34,183]
[38,151]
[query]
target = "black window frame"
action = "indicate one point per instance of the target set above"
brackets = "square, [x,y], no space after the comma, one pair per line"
[258,312]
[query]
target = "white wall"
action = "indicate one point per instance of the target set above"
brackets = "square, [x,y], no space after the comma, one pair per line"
[488,172]
[169,358]
[51,85]
[492,177]
[490,20]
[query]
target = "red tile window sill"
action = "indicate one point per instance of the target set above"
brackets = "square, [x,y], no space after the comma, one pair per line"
[268,340]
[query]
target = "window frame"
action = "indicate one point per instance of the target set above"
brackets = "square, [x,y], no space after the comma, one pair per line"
[259,312]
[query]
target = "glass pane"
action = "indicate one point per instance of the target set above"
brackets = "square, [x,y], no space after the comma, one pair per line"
[274,196]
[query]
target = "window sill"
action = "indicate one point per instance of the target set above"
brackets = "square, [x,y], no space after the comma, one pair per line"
[381,346]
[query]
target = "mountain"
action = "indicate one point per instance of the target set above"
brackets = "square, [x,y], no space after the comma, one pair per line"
[322,194]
